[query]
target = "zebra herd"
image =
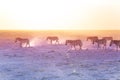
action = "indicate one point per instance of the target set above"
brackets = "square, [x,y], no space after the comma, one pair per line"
[74,43]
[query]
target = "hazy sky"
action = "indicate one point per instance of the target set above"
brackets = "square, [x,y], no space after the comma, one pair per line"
[59,14]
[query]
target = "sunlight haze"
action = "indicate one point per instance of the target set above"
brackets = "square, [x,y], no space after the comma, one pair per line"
[59,14]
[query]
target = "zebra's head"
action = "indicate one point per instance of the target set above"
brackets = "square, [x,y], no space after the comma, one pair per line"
[17,39]
[67,42]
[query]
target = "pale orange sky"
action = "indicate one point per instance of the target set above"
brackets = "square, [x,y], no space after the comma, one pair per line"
[59,14]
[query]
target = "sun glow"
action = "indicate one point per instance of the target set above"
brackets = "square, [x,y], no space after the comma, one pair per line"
[37,42]
[59,14]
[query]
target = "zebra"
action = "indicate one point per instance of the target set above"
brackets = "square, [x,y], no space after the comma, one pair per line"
[74,43]
[92,38]
[101,42]
[116,42]
[52,38]
[23,41]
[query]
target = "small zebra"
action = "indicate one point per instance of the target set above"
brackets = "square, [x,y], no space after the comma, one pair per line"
[23,41]
[53,38]
[74,43]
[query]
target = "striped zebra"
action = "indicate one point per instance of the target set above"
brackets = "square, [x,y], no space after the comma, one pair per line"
[101,42]
[23,41]
[107,38]
[92,38]
[116,42]
[74,43]
[53,38]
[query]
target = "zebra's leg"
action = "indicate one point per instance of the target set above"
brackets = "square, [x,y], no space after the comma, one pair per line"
[25,44]
[21,44]
[70,46]
[117,48]
[28,44]
[51,41]
[105,46]
[98,45]
[74,47]
[93,42]
[57,42]
[80,47]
